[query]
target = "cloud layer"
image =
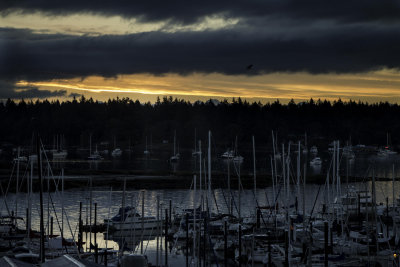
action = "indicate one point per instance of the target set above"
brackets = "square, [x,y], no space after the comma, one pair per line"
[342,49]
[190,12]
[9,90]
[274,36]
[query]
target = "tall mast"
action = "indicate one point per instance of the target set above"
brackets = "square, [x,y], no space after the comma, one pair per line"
[393,185]
[174,142]
[194,218]
[209,170]
[39,165]
[62,205]
[254,171]
[201,177]
[90,144]
[195,140]
[298,170]
[16,188]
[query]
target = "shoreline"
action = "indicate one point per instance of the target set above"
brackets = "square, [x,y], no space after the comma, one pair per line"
[157,181]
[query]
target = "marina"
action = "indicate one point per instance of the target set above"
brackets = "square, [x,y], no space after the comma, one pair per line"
[285,222]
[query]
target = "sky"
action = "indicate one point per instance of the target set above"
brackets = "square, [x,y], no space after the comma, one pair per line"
[261,50]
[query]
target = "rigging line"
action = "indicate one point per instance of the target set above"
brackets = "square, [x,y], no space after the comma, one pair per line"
[315,201]
[55,213]
[23,177]
[4,194]
[66,216]
[232,196]
[224,183]
[213,192]
[182,218]
[9,182]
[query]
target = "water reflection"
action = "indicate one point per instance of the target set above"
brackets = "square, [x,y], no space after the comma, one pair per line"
[315,169]
[158,162]
[109,202]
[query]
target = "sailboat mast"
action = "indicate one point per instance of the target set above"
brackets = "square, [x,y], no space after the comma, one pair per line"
[200,177]
[39,164]
[194,218]
[288,175]
[273,188]
[29,194]
[195,139]
[62,205]
[393,185]
[228,162]
[254,171]
[16,188]
[90,144]
[298,170]
[174,143]
[209,170]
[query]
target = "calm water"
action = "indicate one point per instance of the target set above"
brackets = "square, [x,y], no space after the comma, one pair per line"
[159,162]
[108,202]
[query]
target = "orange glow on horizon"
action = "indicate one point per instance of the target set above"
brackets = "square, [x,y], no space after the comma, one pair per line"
[374,86]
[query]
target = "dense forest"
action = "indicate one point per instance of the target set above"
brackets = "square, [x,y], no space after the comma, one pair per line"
[130,121]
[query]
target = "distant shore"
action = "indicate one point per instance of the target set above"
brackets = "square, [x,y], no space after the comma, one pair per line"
[179,180]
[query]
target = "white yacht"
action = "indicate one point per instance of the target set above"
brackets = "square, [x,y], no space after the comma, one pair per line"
[316,161]
[229,154]
[116,153]
[238,158]
[128,219]
[95,155]
[60,154]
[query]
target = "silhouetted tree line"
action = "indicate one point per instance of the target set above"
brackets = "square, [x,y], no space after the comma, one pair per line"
[130,121]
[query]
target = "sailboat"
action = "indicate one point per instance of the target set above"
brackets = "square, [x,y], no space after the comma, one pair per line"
[305,149]
[146,152]
[195,152]
[96,155]
[386,151]
[176,156]
[237,157]
[128,219]
[117,152]
[316,161]
[58,152]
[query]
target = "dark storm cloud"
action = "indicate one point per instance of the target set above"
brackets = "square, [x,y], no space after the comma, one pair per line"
[341,49]
[9,90]
[191,11]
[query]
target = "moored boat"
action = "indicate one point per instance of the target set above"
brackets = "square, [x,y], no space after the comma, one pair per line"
[128,219]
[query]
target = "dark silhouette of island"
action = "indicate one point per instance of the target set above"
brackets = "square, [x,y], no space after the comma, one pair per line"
[131,121]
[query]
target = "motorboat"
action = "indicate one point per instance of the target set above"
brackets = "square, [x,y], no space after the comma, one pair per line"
[95,156]
[316,161]
[116,153]
[60,154]
[238,158]
[229,154]
[128,220]
[175,157]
